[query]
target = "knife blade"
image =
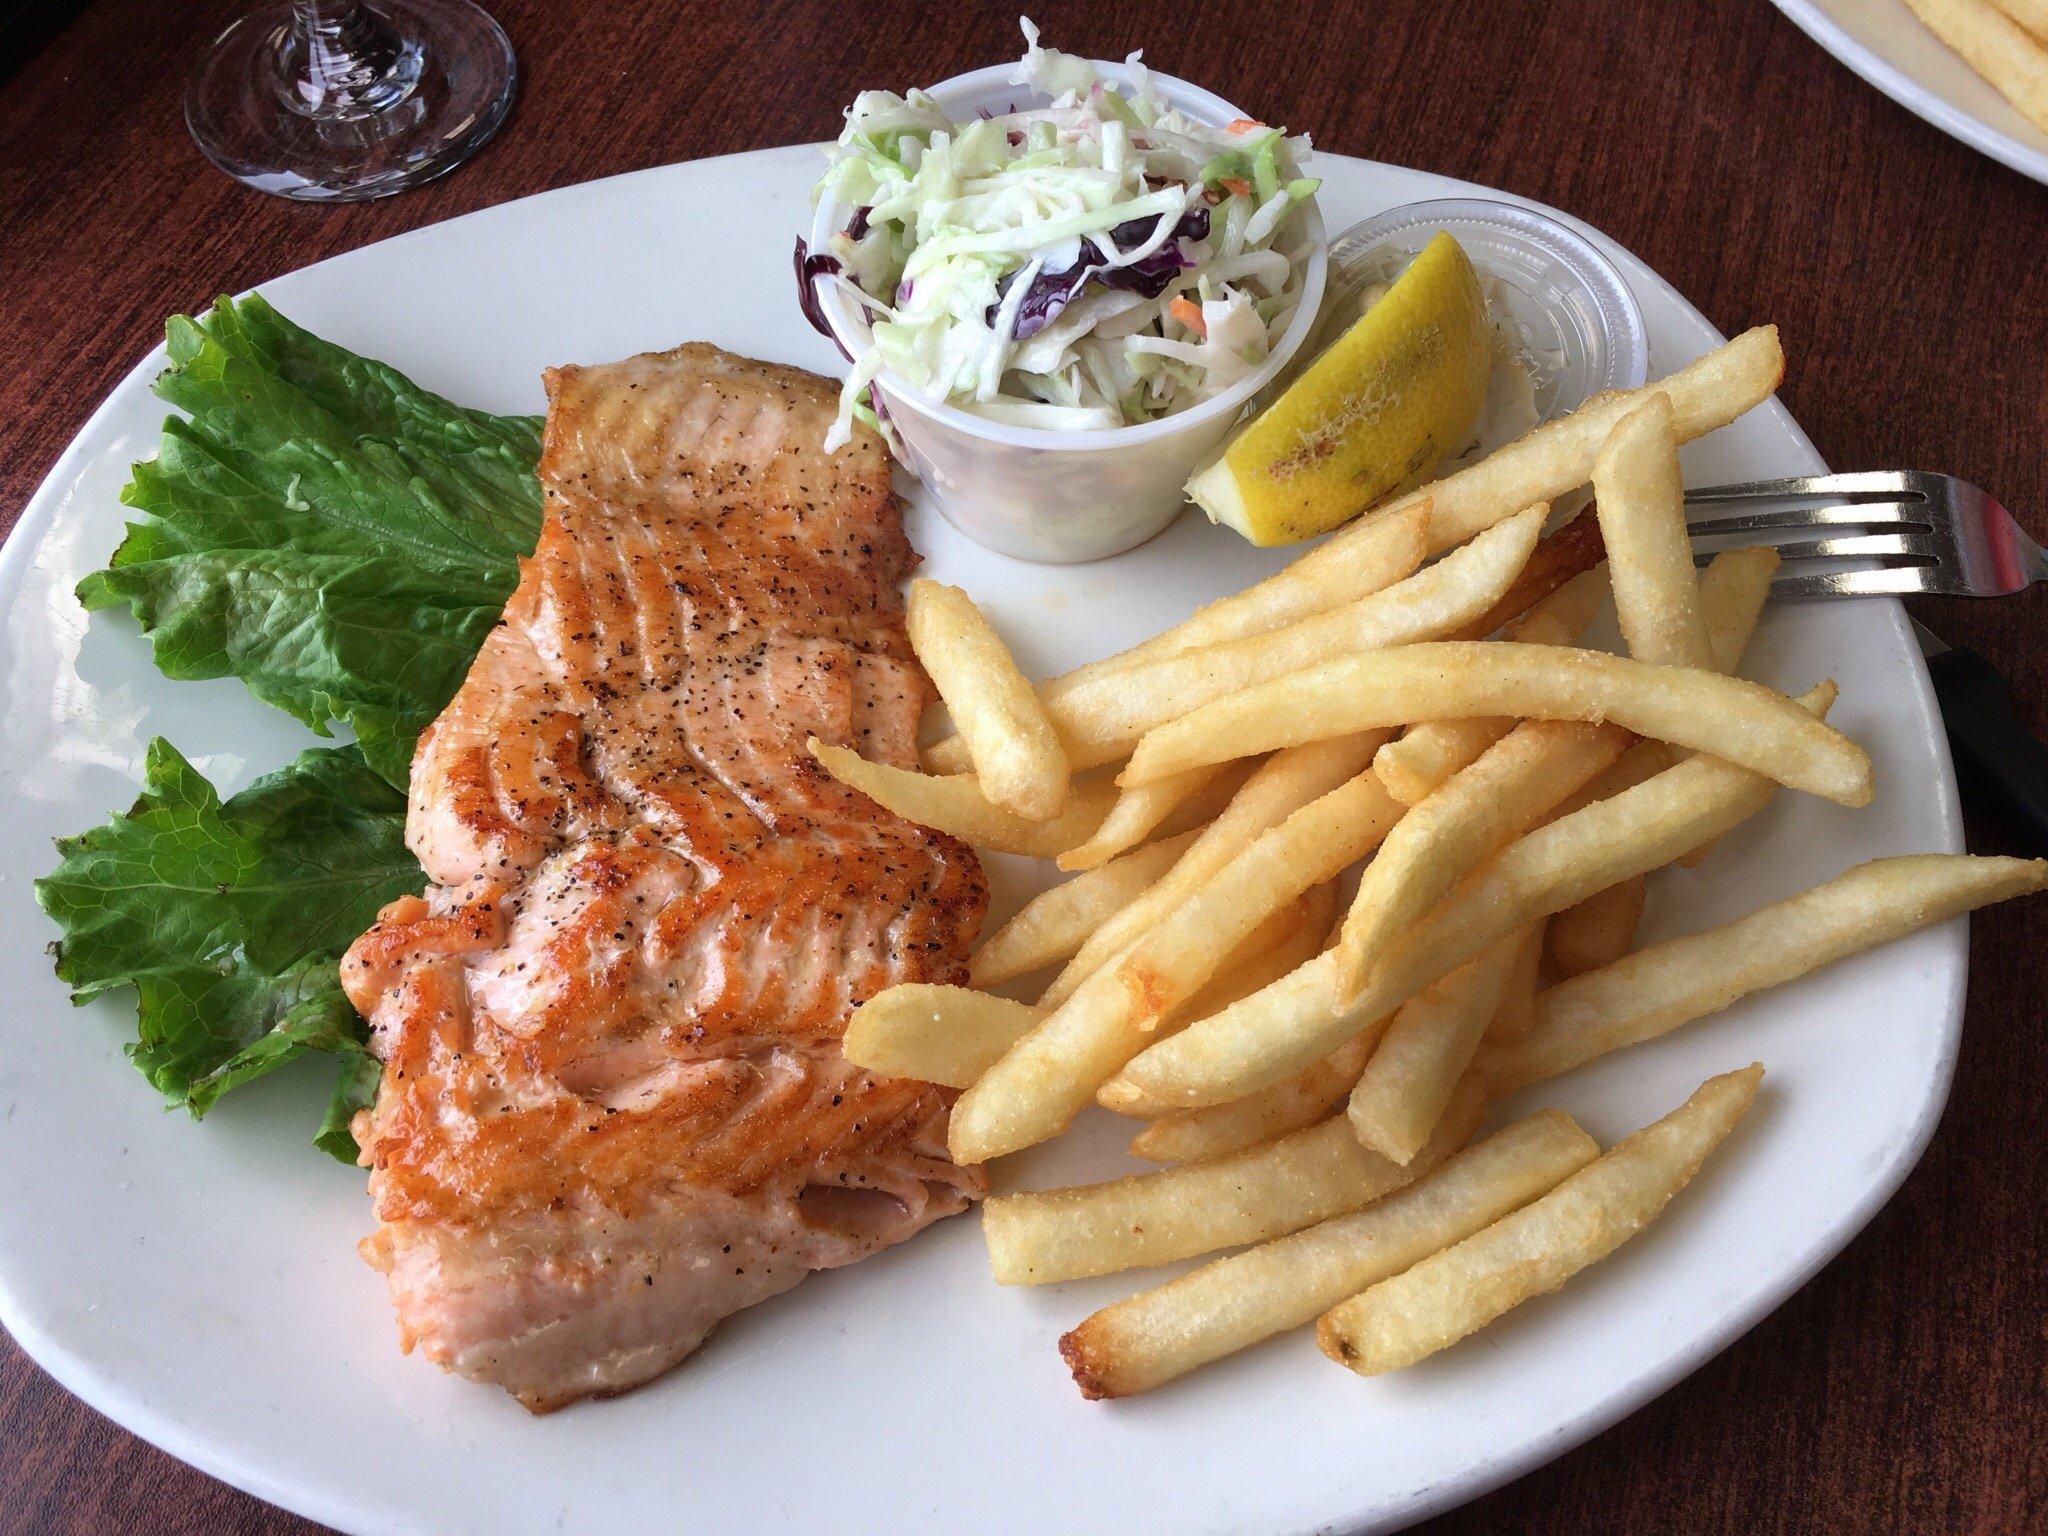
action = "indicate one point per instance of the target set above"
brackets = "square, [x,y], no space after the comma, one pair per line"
[1999,760]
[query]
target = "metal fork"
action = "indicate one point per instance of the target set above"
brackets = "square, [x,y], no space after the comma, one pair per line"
[1878,533]
[1894,533]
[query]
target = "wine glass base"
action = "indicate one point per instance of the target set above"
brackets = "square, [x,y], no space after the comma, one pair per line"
[445,90]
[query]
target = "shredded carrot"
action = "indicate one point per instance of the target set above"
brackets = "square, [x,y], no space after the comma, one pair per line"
[1189,314]
[1235,184]
[1243,125]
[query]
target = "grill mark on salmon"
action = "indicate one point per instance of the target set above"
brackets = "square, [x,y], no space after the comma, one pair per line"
[613,1108]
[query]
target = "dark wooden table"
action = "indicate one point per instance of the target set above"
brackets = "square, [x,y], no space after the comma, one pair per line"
[1903,1389]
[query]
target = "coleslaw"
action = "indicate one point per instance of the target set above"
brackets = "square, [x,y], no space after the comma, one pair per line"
[1098,261]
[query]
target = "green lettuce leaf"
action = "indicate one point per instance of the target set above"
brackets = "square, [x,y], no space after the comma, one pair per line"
[341,540]
[228,918]
[322,528]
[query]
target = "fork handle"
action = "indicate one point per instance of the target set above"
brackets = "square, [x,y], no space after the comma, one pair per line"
[1997,755]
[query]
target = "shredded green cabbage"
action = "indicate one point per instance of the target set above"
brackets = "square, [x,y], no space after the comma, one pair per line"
[962,219]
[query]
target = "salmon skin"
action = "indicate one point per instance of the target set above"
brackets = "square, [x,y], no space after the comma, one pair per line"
[613,1107]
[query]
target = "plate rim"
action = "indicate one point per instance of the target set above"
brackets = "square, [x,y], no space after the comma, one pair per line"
[105,1392]
[1931,107]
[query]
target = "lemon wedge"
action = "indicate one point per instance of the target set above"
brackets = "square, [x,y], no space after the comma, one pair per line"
[1387,402]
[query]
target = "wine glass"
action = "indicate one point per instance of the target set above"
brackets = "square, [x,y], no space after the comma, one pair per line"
[341,100]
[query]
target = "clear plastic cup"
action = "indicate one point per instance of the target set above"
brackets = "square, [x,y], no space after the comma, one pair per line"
[1062,497]
[1582,326]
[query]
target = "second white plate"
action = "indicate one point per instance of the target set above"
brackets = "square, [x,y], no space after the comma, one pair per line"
[1887,45]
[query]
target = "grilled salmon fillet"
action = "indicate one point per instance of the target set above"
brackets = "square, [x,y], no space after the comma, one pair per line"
[613,1107]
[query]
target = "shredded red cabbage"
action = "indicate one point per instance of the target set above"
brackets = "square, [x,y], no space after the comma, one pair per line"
[808,269]
[1051,292]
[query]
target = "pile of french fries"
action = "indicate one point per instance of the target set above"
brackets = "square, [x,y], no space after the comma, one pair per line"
[1407,702]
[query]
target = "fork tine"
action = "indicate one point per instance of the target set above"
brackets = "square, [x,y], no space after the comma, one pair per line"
[1919,546]
[1878,484]
[1896,582]
[1877,514]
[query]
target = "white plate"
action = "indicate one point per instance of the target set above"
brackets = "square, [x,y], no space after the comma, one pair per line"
[198,1284]
[1887,45]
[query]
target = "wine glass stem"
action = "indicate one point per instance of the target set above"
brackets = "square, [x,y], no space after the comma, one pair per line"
[342,61]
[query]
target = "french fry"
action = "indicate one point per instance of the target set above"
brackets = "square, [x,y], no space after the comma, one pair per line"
[1257,958]
[1746,723]
[1562,558]
[1415,763]
[1641,503]
[953,1035]
[1208,802]
[1423,756]
[1564,615]
[1234,1302]
[1100,719]
[936,1034]
[2031,14]
[1996,47]
[1017,756]
[1557,457]
[1300,1018]
[1055,924]
[1288,938]
[954,803]
[1640,498]
[1325,579]
[1186,1136]
[1176,1213]
[1537,1248]
[1655,990]
[1038,1086]
[1276,790]
[1516,1015]
[1451,832]
[1309,848]
[1602,928]
[1642,761]
[1597,931]
[1424,1052]
[1733,589]
[1135,815]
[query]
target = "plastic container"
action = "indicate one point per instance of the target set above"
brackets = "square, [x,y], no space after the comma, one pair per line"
[1582,326]
[1062,497]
